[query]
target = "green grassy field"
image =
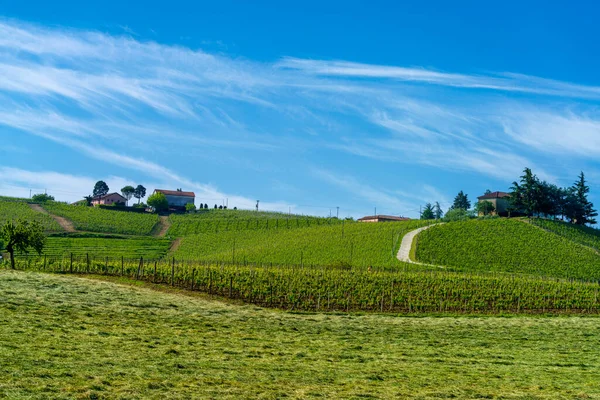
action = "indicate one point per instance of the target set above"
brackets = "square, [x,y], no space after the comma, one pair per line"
[211,221]
[94,219]
[13,210]
[357,244]
[91,339]
[506,246]
[147,247]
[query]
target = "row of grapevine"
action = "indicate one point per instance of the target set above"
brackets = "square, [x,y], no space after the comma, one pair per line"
[320,289]
[506,245]
[13,210]
[146,247]
[235,220]
[357,244]
[95,219]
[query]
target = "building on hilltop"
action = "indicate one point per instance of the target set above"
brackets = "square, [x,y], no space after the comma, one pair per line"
[500,200]
[109,199]
[177,199]
[382,218]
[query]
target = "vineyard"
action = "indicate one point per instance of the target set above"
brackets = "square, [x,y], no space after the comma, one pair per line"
[235,220]
[506,246]
[344,244]
[579,234]
[323,289]
[147,247]
[94,219]
[13,210]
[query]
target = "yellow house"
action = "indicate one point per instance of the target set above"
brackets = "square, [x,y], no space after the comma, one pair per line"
[500,200]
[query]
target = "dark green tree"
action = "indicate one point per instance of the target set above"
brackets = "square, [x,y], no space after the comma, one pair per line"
[21,236]
[427,212]
[527,195]
[437,210]
[461,202]
[584,209]
[100,189]
[139,193]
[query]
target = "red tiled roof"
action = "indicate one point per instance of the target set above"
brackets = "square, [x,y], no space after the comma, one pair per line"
[494,195]
[107,195]
[389,217]
[175,193]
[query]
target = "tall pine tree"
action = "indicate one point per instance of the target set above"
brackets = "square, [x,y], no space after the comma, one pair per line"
[461,202]
[428,212]
[584,209]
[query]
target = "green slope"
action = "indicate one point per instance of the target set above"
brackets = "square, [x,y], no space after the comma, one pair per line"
[13,210]
[506,246]
[357,244]
[579,234]
[93,219]
[206,221]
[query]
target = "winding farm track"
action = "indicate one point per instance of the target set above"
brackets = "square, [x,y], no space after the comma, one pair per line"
[63,222]
[406,245]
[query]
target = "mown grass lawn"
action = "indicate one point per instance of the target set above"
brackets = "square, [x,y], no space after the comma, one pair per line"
[70,337]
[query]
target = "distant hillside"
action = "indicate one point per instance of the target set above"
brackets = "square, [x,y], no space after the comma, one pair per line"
[355,243]
[238,220]
[506,246]
[94,219]
[13,210]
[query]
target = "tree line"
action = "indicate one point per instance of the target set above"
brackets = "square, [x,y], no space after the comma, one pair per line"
[531,197]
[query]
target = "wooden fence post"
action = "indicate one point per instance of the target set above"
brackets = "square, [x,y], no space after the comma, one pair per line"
[173,273]
[87,258]
[122,265]
[71,267]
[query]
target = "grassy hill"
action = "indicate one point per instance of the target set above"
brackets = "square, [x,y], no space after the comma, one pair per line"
[235,220]
[64,337]
[504,245]
[354,243]
[94,219]
[13,210]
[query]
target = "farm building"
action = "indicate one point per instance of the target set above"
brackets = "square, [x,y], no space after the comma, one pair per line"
[500,200]
[382,218]
[177,199]
[109,199]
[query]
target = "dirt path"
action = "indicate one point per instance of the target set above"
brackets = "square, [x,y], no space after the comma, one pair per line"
[63,222]
[175,245]
[165,224]
[406,245]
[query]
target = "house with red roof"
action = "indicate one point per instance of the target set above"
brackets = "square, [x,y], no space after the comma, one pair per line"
[500,200]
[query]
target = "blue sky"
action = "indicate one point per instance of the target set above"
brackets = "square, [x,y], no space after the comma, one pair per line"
[308,107]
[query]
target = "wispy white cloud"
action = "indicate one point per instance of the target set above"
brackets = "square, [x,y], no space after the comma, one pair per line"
[509,82]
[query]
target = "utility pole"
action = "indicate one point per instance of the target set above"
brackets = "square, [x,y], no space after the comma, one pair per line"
[375,211]
[29,193]
[337,213]
[257,201]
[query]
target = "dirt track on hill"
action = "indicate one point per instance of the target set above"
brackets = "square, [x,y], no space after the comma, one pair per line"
[165,224]
[63,222]
[406,245]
